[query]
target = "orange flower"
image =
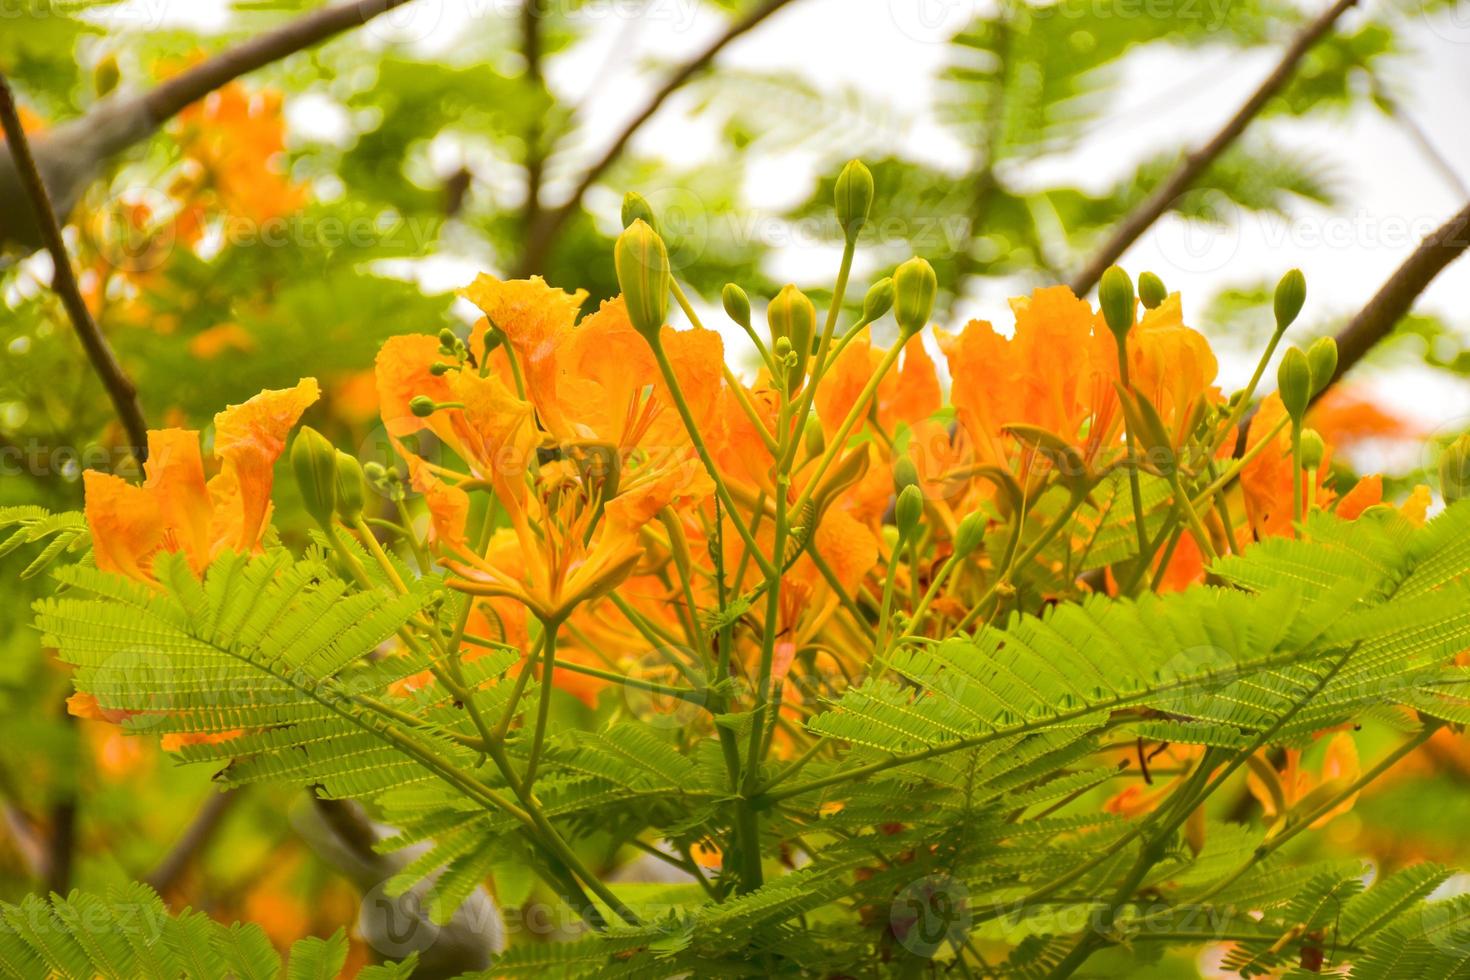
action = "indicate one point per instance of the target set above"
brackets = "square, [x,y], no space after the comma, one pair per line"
[1295,789]
[1265,481]
[1171,364]
[1056,373]
[907,395]
[175,510]
[233,143]
[491,429]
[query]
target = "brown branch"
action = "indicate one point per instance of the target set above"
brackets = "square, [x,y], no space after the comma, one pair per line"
[538,243]
[304,32]
[119,386]
[194,839]
[72,154]
[1198,161]
[1394,299]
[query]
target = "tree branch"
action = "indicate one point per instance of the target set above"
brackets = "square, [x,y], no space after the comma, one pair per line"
[193,840]
[71,155]
[538,243]
[119,386]
[304,32]
[1394,299]
[1198,161]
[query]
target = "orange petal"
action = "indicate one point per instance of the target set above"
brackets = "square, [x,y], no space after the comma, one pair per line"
[175,476]
[1364,494]
[249,438]
[126,523]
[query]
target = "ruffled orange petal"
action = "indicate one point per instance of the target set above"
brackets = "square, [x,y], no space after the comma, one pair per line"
[402,374]
[249,438]
[126,523]
[175,476]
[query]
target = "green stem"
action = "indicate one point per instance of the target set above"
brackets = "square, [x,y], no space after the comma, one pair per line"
[1134,485]
[543,706]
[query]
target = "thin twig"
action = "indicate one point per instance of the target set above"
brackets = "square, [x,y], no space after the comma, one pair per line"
[193,840]
[120,387]
[1397,295]
[538,244]
[1198,161]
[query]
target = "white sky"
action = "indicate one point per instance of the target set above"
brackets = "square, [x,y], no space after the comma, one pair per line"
[891,50]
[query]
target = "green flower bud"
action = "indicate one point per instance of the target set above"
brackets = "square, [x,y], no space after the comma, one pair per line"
[792,317]
[815,439]
[914,289]
[854,197]
[1294,382]
[737,304]
[1313,449]
[879,299]
[969,535]
[1151,290]
[1454,470]
[1291,295]
[909,511]
[439,368]
[422,406]
[351,487]
[1322,359]
[1115,296]
[375,472]
[106,75]
[447,338]
[642,264]
[314,460]
[637,208]
[905,474]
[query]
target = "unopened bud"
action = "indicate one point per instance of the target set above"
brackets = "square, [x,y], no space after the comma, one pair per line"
[792,317]
[814,438]
[1313,449]
[969,535]
[1151,290]
[422,406]
[854,197]
[1322,359]
[106,76]
[314,460]
[1454,470]
[1291,295]
[438,369]
[642,264]
[637,208]
[447,338]
[1115,296]
[351,487]
[905,474]
[737,304]
[914,289]
[909,511]
[1294,382]
[879,299]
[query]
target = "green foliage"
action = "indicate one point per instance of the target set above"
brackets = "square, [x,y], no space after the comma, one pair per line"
[128,933]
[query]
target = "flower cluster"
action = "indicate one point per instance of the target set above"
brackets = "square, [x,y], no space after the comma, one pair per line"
[605,496]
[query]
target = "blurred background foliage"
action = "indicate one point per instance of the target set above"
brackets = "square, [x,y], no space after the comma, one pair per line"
[288,223]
